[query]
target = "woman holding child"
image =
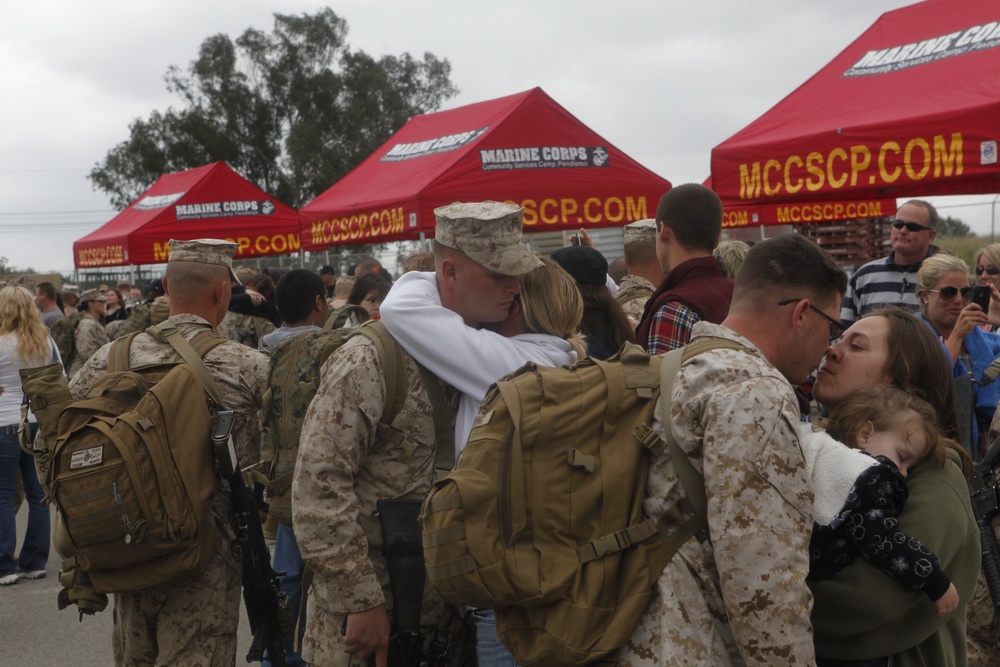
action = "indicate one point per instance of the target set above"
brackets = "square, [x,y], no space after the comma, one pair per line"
[860,614]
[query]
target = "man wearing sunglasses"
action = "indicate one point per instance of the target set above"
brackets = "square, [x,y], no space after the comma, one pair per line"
[892,279]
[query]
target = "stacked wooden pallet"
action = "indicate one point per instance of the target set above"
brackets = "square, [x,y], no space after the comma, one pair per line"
[852,242]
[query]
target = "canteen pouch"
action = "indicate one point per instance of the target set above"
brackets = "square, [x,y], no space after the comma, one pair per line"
[46,391]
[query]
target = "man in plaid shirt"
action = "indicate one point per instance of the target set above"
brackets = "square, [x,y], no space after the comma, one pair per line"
[688,227]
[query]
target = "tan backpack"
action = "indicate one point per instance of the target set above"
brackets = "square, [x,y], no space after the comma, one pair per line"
[542,518]
[291,385]
[132,473]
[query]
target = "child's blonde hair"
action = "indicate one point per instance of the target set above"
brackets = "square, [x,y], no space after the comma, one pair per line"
[885,406]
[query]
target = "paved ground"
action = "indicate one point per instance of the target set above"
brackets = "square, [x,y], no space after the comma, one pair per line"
[37,634]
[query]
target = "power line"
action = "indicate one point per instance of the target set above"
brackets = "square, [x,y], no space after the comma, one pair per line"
[84,212]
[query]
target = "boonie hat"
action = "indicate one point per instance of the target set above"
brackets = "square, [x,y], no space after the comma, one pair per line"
[489,233]
[587,265]
[205,251]
[92,295]
[641,231]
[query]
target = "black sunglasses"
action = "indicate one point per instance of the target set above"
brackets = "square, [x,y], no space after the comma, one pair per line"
[992,270]
[836,328]
[911,226]
[949,293]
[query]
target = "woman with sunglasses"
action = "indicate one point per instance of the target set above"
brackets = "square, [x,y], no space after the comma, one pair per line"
[943,291]
[987,263]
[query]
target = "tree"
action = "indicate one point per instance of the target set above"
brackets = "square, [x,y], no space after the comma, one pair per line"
[950,226]
[292,111]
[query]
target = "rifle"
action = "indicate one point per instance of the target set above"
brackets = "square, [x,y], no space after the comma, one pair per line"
[986,505]
[402,547]
[267,605]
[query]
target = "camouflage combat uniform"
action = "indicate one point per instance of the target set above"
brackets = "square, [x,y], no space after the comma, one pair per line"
[245,329]
[740,598]
[90,336]
[193,623]
[636,291]
[340,472]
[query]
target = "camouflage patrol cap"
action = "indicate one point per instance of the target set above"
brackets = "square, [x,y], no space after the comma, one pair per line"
[205,251]
[92,295]
[489,233]
[641,231]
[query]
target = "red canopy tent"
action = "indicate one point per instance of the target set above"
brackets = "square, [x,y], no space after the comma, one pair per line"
[522,148]
[208,202]
[736,215]
[909,108]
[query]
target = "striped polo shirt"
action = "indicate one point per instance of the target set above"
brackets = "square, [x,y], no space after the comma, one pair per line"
[881,282]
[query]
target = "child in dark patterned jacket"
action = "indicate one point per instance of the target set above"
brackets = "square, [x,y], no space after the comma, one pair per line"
[858,466]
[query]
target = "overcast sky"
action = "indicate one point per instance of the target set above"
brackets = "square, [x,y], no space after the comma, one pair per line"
[662,80]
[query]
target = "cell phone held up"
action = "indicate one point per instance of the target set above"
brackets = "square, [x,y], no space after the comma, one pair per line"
[981,296]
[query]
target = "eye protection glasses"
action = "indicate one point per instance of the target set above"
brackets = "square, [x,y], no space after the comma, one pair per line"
[911,226]
[836,328]
[949,293]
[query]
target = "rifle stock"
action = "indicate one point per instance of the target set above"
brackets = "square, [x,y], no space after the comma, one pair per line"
[266,604]
[986,505]
[403,550]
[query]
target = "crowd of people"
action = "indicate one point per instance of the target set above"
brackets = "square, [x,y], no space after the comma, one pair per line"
[837,435]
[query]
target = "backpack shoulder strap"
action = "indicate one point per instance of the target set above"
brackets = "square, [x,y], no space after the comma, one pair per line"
[338,318]
[444,429]
[168,332]
[118,354]
[393,367]
[623,296]
[692,481]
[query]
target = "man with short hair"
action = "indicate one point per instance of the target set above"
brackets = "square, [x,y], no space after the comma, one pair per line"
[193,622]
[90,334]
[892,280]
[48,303]
[345,463]
[736,593]
[329,277]
[644,270]
[70,300]
[688,227]
[366,265]
[301,298]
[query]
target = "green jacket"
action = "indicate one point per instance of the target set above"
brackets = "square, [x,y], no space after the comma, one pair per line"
[862,613]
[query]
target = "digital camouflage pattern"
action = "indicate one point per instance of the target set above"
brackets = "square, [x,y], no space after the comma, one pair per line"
[489,233]
[143,316]
[63,332]
[342,469]
[90,336]
[739,598]
[292,381]
[984,622]
[193,623]
[245,329]
[632,295]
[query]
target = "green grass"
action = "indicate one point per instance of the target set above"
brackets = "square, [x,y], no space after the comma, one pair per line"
[964,247]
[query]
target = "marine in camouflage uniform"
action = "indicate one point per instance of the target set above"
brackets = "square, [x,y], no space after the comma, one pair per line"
[740,599]
[342,469]
[633,293]
[736,594]
[193,623]
[245,329]
[90,334]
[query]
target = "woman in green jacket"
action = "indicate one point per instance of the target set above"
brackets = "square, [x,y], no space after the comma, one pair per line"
[861,614]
